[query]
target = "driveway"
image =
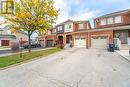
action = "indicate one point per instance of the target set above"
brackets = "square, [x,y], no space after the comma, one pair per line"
[70,68]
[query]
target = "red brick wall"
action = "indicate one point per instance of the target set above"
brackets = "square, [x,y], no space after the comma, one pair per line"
[126,19]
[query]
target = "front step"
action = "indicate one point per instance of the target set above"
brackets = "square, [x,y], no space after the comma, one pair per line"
[125,47]
[67,46]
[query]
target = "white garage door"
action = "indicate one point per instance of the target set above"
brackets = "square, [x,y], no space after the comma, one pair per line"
[80,42]
[99,42]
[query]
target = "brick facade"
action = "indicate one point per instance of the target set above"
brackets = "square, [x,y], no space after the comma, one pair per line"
[87,32]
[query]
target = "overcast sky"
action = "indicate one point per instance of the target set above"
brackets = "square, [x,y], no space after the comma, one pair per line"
[88,9]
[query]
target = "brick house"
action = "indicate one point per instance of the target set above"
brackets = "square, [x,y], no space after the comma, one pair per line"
[81,35]
[73,32]
[113,25]
[47,38]
[7,36]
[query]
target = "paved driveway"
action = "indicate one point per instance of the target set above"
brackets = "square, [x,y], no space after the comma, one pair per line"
[70,68]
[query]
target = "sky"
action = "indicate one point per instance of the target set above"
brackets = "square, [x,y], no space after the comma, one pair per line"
[88,9]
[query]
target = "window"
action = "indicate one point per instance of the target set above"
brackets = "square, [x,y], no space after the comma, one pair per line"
[49,32]
[8,32]
[103,21]
[118,19]
[110,20]
[54,30]
[68,26]
[81,26]
[59,28]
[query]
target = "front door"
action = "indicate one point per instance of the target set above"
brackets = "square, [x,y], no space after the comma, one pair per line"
[123,37]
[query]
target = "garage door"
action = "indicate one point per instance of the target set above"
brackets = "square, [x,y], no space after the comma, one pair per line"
[80,42]
[4,42]
[49,43]
[99,42]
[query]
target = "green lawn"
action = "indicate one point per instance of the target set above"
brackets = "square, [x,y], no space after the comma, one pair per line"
[14,59]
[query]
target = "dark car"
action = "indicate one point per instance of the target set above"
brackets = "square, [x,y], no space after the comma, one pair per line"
[26,46]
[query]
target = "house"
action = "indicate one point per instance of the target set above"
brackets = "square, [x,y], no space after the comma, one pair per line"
[110,26]
[81,35]
[68,32]
[47,38]
[6,36]
[73,32]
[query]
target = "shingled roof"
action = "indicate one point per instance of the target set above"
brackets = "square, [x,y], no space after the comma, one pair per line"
[115,13]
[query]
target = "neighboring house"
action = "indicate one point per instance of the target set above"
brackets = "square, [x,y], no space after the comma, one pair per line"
[113,25]
[47,38]
[6,36]
[106,28]
[73,32]
[65,33]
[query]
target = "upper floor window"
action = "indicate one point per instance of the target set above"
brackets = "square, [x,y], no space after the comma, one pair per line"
[81,26]
[110,20]
[59,28]
[54,30]
[68,26]
[103,21]
[118,19]
[49,32]
[8,32]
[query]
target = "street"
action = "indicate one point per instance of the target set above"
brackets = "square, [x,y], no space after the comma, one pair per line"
[9,51]
[70,68]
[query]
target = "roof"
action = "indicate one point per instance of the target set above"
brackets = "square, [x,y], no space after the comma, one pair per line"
[72,21]
[22,32]
[115,13]
[62,23]
[7,27]
[8,36]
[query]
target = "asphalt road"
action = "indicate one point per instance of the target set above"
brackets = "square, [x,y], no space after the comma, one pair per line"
[70,68]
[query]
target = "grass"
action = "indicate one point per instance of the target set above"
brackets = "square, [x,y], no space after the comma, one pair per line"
[14,59]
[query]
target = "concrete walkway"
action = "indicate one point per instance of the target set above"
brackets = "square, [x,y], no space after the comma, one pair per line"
[124,53]
[70,68]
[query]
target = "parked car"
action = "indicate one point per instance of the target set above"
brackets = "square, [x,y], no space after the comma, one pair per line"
[26,46]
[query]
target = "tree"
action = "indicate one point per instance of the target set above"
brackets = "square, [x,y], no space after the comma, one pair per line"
[33,15]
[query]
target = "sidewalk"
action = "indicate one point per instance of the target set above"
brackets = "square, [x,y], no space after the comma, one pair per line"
[4,49]
[8,54]
[124,53]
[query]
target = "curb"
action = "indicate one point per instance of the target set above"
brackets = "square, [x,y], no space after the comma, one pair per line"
[123,57]
[9,54]
[24,62]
